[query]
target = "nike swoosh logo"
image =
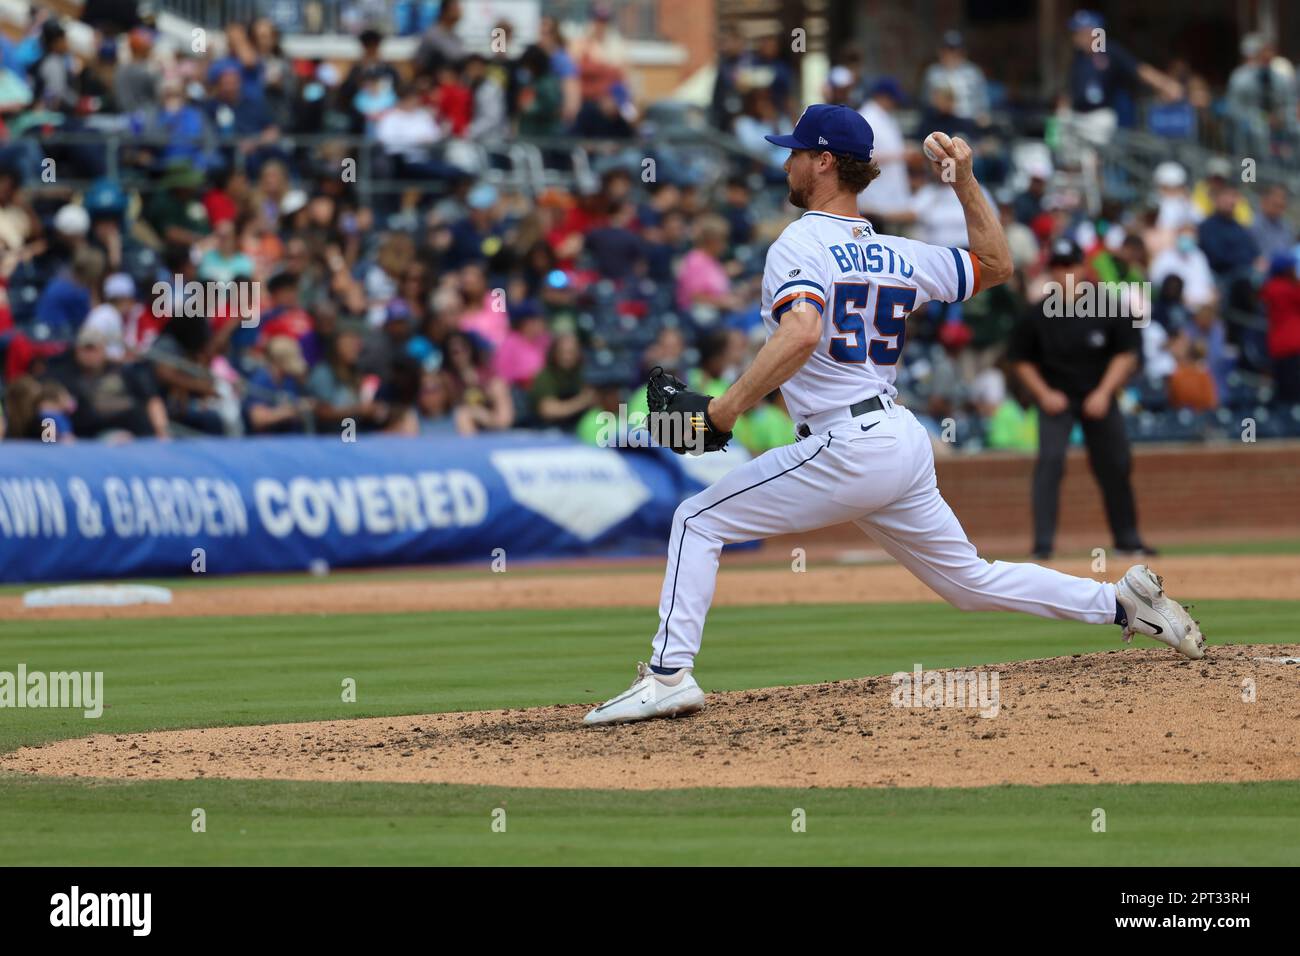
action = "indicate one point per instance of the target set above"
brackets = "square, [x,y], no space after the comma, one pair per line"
[867,428]
[1159,629]
[621,697]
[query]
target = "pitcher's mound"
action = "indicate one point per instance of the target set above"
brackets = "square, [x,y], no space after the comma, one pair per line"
[1122,716]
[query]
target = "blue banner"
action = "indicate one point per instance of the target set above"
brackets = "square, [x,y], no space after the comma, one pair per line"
[76,512]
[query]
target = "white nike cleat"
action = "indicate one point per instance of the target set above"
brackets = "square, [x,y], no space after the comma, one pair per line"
[1141,592]
[651,695]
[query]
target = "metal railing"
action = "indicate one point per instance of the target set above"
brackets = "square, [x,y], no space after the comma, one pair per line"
[528,165]
[634,19]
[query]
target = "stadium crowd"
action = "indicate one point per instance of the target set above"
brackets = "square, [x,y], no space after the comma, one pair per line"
[457,305]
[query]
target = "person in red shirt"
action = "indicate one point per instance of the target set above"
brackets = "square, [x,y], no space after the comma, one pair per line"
[452,100]
[1281,298]
[286,317]
[228,193]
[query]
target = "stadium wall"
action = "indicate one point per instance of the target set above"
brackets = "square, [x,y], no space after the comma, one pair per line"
[1184,494]
[296,503]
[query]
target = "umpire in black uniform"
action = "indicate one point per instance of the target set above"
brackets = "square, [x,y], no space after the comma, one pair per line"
[1074,366]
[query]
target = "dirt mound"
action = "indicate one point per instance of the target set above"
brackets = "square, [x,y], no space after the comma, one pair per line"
[1198,577]
[1123,716]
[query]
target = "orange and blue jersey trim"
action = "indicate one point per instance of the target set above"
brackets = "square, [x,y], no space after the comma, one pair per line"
[800,290]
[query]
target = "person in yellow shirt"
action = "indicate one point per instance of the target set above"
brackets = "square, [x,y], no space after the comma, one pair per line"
[1218,173]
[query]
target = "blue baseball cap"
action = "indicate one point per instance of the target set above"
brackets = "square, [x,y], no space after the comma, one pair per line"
[1085,20]
[836,129]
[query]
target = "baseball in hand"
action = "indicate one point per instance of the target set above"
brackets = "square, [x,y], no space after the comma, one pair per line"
[933,151]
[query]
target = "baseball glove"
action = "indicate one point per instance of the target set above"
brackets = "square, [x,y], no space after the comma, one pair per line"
[679,418]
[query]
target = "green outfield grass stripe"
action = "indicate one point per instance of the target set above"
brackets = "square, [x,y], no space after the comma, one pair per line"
[76,823]
[195,672]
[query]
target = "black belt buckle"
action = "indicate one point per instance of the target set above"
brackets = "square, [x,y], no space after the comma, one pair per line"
[803,431]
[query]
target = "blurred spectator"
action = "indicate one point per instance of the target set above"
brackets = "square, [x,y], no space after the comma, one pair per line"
[489,101]
[286,318]
[194,378]
[238,118]
[737,200]
[277,395]
[1128,264]
[727,98]
[369,68]
[1186,261]
[433,406]
[669,352]
[1207,331]
[480,400]
[174,130]
[440,45]
[41,411]
[407,133]
[1191,385]
[961,77]
[1174,201]
[551,39]
[703,279]
[523,351]
[758,119]
[890,194]
[54,76]
[616,249]
[1219,173]
[935,212]
[66,301]
[279,85]
[1102,74]
[1028,205]
[1272,233]
[338,386]
[241,59]
[1013,423]
[174,212]
[1228,245]
[765,67]
[225,261]
[559,393]
[109,399]
[1262,98]
[19,224]
[484,315]
[136,85]
[1280,296]
[541,95]
[477,236]
[109,316]
[601,57]
[937,114]
[1157,361]
[1168,311]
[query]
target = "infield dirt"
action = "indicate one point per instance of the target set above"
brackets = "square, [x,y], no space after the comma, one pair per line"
[1118,717]
[1202,577]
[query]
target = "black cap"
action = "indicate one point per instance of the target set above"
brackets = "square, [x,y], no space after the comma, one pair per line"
[1064,252]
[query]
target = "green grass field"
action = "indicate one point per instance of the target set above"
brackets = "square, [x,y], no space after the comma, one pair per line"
[171,673]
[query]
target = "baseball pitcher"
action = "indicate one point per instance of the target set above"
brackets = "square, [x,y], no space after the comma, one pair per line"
[836,297]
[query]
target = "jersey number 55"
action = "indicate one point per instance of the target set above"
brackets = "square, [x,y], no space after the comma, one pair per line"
[889,320]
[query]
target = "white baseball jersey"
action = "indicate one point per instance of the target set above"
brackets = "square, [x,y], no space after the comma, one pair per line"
[864,285]
[875,469]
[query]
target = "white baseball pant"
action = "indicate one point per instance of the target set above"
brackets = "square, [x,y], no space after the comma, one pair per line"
[876,470]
